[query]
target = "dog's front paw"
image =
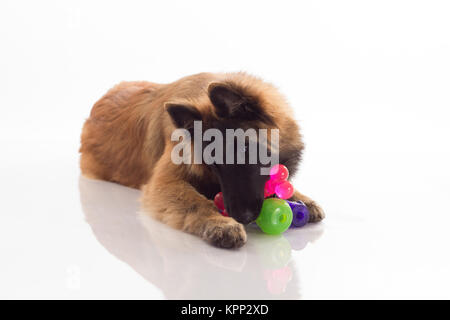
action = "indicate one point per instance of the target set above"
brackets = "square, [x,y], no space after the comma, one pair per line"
[225,234]
[316,213]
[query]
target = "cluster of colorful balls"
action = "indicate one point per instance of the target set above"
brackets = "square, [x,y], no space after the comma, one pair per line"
[277,213]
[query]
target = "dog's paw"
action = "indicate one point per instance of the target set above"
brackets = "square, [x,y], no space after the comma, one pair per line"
[316,213]
[229,234]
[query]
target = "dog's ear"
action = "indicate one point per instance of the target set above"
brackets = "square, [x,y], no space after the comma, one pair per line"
[231,102]
[183,116]
[226,100]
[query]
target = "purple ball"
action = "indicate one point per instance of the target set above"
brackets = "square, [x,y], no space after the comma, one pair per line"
[300,213]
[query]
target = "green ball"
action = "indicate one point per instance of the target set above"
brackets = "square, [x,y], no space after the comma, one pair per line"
[275,216]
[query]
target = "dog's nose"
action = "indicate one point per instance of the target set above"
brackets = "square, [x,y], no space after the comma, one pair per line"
[247,217]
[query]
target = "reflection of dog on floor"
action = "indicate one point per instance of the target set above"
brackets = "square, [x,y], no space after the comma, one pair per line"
[181,265]
[127,139]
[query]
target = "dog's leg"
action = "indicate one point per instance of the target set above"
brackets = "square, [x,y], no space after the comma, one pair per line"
[178,204]
[316,213]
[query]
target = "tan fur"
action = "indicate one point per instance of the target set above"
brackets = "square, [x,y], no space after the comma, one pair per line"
[126,140]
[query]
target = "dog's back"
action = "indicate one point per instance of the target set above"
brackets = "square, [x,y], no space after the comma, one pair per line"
[114,135]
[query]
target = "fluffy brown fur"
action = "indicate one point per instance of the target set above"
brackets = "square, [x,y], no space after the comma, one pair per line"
[126,140]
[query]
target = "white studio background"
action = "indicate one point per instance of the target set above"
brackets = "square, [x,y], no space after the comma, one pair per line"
[369,82]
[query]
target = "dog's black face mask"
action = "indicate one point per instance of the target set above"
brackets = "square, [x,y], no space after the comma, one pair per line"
[243,190]
[242,185]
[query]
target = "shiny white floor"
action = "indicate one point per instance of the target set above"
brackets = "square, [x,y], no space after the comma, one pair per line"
[65,236]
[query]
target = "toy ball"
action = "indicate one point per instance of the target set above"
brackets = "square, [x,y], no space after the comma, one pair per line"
[218,201]
[269,188]
[300,213]
[284,190]
[279,172]
[275,216]
[278,184]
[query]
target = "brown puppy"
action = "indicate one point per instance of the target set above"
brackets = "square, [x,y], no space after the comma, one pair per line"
[127,139]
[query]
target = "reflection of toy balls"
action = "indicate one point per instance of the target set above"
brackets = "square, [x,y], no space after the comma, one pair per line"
[278,279]
[298,243]
[275,216]
[300,213]
[275,287]
[275,252]
[283,274]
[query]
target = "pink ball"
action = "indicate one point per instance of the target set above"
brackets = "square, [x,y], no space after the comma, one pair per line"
[218,201]
[279,172]
[269,188]
[284,190]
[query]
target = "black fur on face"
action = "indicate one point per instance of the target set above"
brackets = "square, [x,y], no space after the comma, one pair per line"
[291,157]
[232,103]
[242,185]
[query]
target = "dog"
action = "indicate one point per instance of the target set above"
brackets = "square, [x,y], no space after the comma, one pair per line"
[127,139]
